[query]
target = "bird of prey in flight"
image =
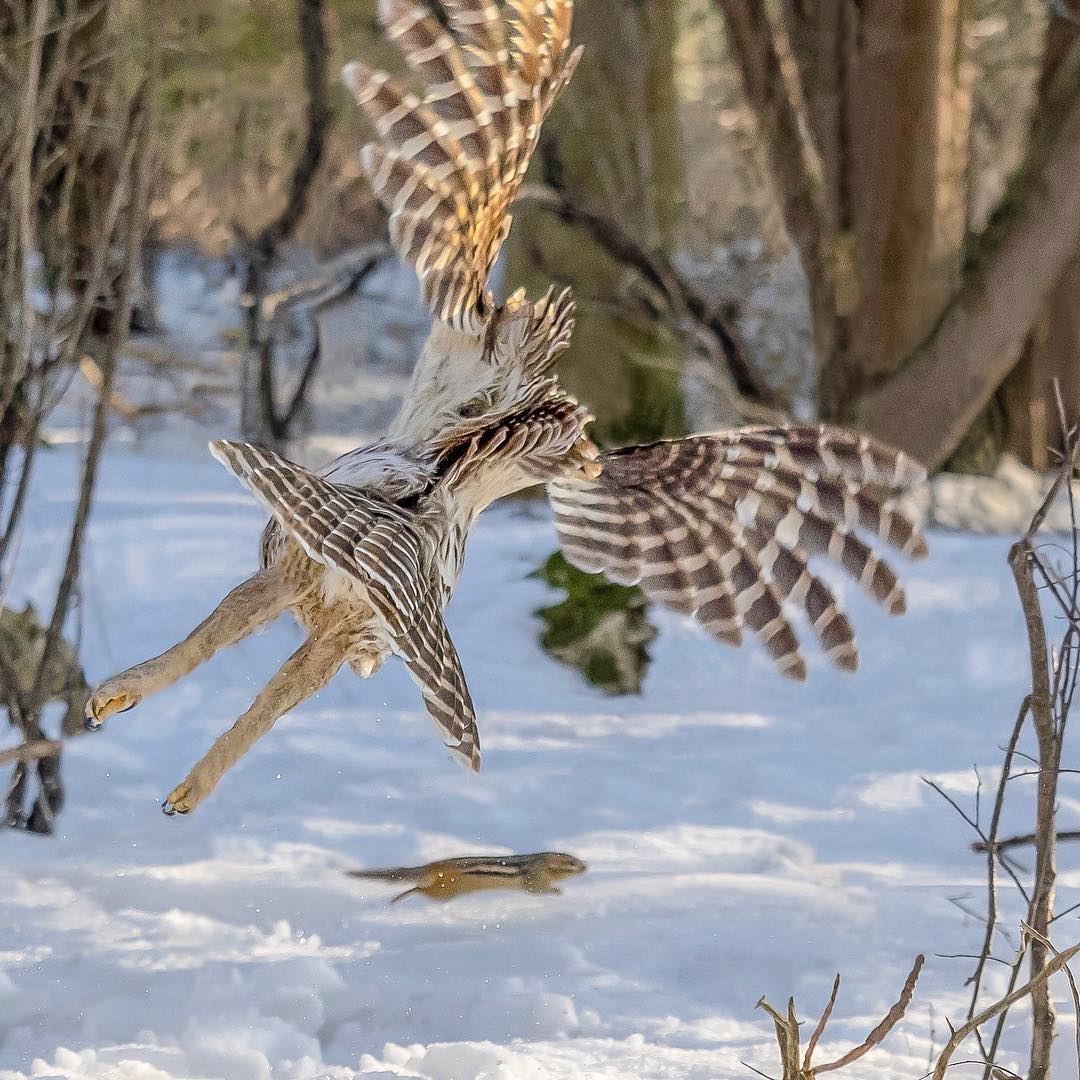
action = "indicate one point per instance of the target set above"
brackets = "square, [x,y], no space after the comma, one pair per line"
[367,551]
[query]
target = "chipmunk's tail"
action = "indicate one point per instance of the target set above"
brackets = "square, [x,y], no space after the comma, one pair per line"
[391,873]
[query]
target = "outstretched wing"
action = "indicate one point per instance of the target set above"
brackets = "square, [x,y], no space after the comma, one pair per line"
[720,527]
[378,545]
[449,164]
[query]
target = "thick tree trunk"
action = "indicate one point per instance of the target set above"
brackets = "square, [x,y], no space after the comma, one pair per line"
[1052,351]
[882,140]
[610,148]
[876,204]
[929,405]
[612,144]
[761,52]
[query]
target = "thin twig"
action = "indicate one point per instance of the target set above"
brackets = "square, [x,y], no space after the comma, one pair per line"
[891,1019]
[961,1033]
[30,751]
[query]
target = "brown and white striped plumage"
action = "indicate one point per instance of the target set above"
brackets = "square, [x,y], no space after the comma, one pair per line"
[720,526]
[448,165]
[385,550]
[367,551]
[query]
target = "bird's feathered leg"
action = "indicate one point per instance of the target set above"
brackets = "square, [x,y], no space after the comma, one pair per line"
[308,670]
[251,604]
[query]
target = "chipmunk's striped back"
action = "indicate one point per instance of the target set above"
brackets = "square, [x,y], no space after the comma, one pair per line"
[449,878]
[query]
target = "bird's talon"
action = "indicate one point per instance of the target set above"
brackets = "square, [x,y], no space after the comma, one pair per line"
[181,800]
[107,701]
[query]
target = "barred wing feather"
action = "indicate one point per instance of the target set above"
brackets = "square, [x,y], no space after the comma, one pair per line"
[448,165]
[722,526]
[377,544]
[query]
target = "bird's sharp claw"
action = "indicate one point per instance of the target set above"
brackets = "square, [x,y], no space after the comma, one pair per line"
[105,702]
[181,800]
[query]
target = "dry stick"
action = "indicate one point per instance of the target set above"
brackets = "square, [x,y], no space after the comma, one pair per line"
[991,878]
[264,249]
[961,1033]
[978,830]
[659,272]
[136,164]
[1072,989]
[355,280]
[328,281]
[1022,556]
[892,1018]
[999,1027]
[22,237]
[22,488]
[821,1024]
[787,1036]
[30,751]
[787,1031]
[1021,841]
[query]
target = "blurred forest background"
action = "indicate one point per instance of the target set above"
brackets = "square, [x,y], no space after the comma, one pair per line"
[822,206]
[866,211]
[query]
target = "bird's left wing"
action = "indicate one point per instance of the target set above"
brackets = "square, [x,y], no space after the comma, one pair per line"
[377,544]
[721,527]
[447,166]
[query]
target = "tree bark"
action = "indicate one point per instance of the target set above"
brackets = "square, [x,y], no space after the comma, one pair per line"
[876,203]
[1052,351]
[930,403]
[761,51]
[610,145]
[612,142]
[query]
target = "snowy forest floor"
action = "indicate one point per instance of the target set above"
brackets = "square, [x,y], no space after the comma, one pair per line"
[744,835]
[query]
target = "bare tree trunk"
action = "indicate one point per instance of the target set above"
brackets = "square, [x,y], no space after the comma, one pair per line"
[761,51]
[1052,351]
[610,149]
[947,380]
[260,419]
[876,202]
[889,115]
[612,144]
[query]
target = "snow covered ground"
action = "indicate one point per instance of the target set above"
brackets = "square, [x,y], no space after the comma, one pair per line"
[745,836]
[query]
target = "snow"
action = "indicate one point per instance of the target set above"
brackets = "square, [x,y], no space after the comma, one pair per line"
[744,835]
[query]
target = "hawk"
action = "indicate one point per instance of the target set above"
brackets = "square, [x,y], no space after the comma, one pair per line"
[367,551]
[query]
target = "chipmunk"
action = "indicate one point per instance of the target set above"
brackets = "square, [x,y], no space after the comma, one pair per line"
[449,878]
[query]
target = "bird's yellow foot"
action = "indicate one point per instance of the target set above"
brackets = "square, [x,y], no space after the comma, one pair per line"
[182,799]
[115,696]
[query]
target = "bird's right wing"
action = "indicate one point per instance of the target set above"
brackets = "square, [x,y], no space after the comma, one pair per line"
[720,527]
[378,545]
[448,165]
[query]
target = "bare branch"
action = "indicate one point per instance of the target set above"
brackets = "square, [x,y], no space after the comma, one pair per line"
[961,1033]
[681,298]
[30,751]
[892,1018]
